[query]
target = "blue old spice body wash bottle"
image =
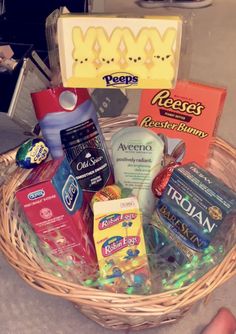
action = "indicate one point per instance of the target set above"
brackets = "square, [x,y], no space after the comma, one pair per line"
[69,124]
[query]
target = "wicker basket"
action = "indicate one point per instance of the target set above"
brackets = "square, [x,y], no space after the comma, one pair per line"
[115,311]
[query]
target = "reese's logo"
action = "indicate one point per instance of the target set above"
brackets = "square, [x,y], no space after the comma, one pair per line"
[70,192]
[120,79]
[164,100]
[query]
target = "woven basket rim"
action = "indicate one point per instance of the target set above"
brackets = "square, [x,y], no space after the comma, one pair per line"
[159,303]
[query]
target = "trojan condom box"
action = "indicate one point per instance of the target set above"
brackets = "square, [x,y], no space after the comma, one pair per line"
[119,52]
[53,204]
[194,205]
[185,116]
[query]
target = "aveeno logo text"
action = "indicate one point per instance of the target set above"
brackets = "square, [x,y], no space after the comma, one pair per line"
[163,99]
[135,147]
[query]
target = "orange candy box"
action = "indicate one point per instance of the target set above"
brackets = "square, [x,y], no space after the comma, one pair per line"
[185,117]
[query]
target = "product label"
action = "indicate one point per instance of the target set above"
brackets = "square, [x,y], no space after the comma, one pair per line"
[194,205]
[70,192]
[54,208]
[186,116]
[181,228]
[113,52]
[114,219]
[115,244]
[137,156]
[193,209]
[38,153]
[36,194]
[120,79]
[86,153]
[119,241]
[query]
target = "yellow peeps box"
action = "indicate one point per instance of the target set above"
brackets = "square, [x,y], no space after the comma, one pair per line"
[119,52]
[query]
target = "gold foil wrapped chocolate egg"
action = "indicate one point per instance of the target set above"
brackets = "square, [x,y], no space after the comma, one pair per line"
[106,194]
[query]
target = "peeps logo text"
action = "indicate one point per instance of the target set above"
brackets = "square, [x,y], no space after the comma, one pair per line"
[36,194]
[70,192]
[120,79]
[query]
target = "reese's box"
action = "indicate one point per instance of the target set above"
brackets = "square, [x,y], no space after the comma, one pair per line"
[53,203]
[119,52]
[186,117]
[195,206]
